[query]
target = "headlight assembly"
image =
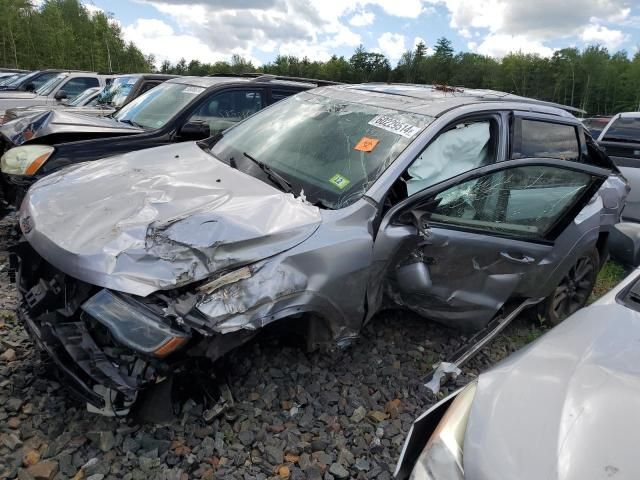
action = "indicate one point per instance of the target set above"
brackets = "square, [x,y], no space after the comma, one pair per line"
[133,325]
[25,160]
[441,459]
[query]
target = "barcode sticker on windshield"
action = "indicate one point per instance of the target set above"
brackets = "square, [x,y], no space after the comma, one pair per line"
[395,126]
[193,90]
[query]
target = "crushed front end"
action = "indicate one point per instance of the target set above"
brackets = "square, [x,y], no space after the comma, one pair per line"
[107,346]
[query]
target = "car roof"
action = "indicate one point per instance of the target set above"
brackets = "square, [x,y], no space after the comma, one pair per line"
[630,114]
[431,100]
[211,81]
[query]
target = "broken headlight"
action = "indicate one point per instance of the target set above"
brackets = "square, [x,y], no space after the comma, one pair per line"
[133,325]
[25,160]
[441,459]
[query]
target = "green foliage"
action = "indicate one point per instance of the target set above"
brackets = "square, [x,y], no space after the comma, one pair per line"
[63,34]
[610,275]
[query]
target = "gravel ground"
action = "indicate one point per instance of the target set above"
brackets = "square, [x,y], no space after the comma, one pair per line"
[338,415]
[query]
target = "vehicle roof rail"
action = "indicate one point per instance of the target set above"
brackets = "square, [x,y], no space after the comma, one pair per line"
[268,77]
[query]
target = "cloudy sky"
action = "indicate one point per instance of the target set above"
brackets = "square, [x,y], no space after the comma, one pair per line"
[211,30]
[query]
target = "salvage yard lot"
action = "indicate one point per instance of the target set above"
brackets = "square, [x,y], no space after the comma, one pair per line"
[297,415]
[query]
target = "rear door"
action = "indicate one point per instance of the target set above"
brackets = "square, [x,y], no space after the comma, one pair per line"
[457,251]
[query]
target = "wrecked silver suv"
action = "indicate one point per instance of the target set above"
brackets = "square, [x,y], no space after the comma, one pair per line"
[321,209]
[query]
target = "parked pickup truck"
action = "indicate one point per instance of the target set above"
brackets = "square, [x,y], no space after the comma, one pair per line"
[621,141]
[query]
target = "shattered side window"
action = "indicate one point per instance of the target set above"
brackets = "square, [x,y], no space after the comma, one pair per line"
[523,201]
[538,139]
[330,149]
[465,146]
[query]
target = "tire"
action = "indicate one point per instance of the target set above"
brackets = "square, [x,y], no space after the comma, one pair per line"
[573,291]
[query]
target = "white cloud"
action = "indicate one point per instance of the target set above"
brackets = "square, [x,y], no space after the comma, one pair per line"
[392,45]
[92,9]
[313,28]
[156,37]
[530,26]
[499,45]
[362,19]
[611,39]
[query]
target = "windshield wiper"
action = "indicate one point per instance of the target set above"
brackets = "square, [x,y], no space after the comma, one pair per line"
[273,176]
[132,123]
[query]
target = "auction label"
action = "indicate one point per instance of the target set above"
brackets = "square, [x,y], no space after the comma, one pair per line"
[395,126]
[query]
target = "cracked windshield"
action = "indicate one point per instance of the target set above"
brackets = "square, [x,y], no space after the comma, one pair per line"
[329,150]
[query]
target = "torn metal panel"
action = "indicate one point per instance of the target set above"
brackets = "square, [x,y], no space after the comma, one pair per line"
[444,372]
[37,127]
[139,223]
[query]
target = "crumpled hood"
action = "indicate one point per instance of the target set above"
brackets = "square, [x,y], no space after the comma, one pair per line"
[159,218]
[99,111]
[564,408]
[60,121]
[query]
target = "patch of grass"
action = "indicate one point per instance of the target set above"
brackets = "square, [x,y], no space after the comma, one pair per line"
[610,275]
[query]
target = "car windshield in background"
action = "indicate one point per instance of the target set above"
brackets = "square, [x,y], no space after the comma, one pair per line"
[10,79]
[52,83]
[157,106]
[624,129]
[330,149]
[80,99]
[116,93]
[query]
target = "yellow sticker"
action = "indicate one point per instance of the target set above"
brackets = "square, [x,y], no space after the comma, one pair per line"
[340,181]
[366,144]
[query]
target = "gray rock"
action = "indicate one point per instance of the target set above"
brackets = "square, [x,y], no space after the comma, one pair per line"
[274,454]
[362,464]
[359,414]
[104,440]
[338,471]
[246,437]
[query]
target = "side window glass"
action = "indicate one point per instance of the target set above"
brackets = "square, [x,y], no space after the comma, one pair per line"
[148,86]
[538,139]
[522,201]
[77,85]
[459,149]
[279,94]
[224,109]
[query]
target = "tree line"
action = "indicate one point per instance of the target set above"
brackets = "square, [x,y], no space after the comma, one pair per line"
[592,79]
[64,34]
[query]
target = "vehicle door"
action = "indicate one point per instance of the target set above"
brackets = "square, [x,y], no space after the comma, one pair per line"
[221,110]
[457,250]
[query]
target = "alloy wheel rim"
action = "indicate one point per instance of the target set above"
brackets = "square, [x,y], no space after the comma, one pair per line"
[574,289]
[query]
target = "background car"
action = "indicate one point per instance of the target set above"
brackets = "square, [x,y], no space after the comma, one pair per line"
[321,209]
[563,407]
[31,81]
[97,101]
[620,139]
[180,109]
[61,86]
[595,125]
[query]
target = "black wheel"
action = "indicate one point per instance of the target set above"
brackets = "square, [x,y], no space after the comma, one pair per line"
[574,289]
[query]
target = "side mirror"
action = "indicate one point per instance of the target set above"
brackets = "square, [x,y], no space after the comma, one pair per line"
[60,95]
[195,130]
[30,87]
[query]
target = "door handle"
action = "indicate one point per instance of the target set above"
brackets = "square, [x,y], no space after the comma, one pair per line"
[522,259]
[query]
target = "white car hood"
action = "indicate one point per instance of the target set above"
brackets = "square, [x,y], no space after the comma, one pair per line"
[159,218]
[564,408]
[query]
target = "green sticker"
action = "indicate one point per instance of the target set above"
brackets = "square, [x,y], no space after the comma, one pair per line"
[340,181]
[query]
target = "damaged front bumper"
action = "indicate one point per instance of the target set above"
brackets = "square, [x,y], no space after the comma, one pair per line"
[104,358]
